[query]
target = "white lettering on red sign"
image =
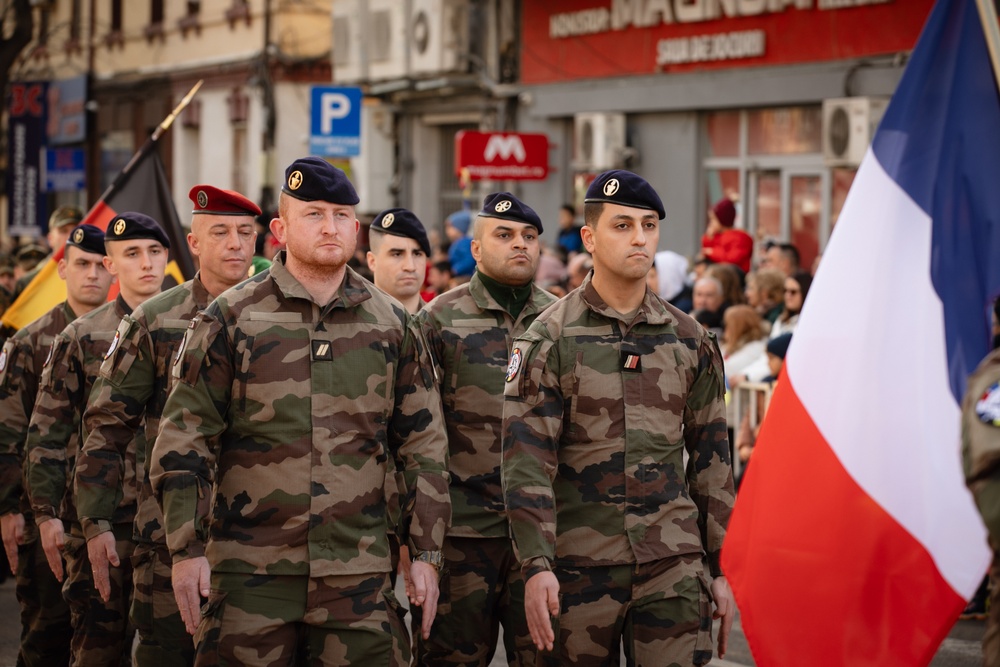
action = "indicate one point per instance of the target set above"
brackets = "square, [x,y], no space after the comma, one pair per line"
[622,14]
[505,147]
[704,48]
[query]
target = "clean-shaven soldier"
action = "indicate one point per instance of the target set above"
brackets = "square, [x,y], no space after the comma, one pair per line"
[398,256]
[469,330]
[605,393]
[45,626]
[292,390]
[129,395]
[137,256]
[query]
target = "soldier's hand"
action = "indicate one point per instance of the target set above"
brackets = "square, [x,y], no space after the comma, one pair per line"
[53,537]
[102,552]
[12,530]
[541,602]
[425,593]
[725,608]
[404,569]
[191,579]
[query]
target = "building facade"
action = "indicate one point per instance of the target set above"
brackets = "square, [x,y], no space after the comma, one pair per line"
[131,62]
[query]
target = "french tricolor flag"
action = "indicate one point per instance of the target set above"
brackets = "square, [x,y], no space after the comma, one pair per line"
[854,540]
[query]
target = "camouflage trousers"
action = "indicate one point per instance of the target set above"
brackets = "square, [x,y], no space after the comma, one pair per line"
[163,640]
[662,611]
[102,634]
[991,638]
[45,627]
[481,589]
[262,620]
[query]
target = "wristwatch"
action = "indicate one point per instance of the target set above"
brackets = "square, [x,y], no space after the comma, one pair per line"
[433,558]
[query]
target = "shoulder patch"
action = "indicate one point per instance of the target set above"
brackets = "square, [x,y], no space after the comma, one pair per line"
[988,405]
[114,343]
[516,356]
[48,357]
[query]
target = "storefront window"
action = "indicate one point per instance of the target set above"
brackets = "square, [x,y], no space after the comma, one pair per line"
[721,183]
[842,181]
[785,131]
[768,199]
[722,133]
[804,210]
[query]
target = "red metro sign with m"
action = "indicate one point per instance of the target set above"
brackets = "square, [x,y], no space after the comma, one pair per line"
[501,156]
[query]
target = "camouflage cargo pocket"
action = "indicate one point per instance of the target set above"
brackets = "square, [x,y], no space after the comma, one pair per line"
[209,632]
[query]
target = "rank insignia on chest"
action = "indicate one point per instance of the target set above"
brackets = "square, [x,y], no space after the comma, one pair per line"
[988,405]
[322,350]
[631,363]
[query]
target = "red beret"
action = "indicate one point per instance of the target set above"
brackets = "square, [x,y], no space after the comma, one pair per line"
[209,199]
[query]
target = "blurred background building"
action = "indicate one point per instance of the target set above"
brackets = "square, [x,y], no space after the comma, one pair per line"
[769,102]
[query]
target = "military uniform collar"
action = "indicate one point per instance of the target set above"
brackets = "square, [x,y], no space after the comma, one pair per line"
[68,311]
[352,289]
[651,310]
[485,301]
[121,306]
[199,293]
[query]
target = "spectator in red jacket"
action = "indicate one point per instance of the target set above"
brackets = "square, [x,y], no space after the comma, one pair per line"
[722,243]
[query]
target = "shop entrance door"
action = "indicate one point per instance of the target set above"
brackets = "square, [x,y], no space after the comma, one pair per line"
[791,205]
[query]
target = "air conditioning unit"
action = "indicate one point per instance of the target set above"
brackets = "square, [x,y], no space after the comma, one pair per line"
[373,169]
[439,36]
[348,42]
[386,39]
[848,127]
[598,140]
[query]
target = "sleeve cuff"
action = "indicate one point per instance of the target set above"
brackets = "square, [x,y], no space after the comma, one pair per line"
[196,550]
[536,565]
[94,527]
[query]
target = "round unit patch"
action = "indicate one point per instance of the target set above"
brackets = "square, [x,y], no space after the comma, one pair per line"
[988,406]
[502,206]
[611,187]
[78,236]
[295,180]
[120,227]
[202,198]
[114,344]
[388,220]
[515,364]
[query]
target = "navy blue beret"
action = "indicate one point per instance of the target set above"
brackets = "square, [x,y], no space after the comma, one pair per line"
[315,179]
[131,225]
[506,206]
[626,189]
[401,222]
[778,346]
[88,238]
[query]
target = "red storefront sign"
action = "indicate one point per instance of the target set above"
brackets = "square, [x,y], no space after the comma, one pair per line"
[573,39]
[501,156]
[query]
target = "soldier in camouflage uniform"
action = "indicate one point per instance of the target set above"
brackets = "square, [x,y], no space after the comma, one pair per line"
[291,391]
[981,462]
[45,626]
[137,255]
[604,394]
[469,330]
[130,394]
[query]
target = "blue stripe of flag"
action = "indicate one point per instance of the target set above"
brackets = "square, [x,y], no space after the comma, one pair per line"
[940,141]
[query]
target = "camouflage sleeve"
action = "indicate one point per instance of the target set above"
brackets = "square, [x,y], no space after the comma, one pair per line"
[53,422]
[431,338]
[420,446]
[532,426]
[113,416]
[183,462]
[14,387]
[709,470]
[981,442]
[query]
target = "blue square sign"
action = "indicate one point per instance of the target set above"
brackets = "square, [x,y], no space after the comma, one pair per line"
[335,127]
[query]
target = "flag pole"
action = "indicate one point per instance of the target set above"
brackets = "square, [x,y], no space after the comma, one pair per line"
[988,17]
[153,138]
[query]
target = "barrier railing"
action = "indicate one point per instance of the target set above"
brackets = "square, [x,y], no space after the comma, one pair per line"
[750,398]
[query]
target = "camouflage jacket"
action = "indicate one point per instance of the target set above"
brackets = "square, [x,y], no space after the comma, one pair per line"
[20,367]
[291,410]
[469,335]
[56,426]
[597,415]
[130,394]
[981,441]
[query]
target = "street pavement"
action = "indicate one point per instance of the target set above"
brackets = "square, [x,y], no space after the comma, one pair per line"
[960,649]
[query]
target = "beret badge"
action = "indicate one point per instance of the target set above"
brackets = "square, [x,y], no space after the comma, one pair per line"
[295,180]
